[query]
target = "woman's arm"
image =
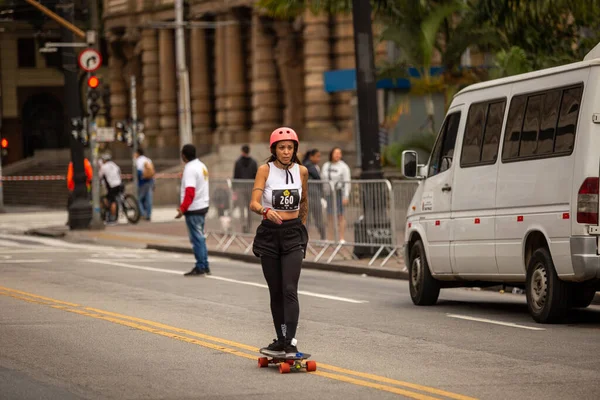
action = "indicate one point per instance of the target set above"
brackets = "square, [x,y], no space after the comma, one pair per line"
[257,192]
[347,176]
[303,214]
[258,189]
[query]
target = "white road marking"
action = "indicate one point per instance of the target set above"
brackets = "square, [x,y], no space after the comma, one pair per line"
[32,261]
[10,243]
[220,278]
[491,321]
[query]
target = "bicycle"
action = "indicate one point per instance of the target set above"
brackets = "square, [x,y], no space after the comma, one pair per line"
[127,205]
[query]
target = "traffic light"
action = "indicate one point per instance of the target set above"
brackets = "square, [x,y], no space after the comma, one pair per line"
[93,95]
[79,130]
[4,146]
[124,131]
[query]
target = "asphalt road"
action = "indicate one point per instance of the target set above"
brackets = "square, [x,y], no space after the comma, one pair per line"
[89,322]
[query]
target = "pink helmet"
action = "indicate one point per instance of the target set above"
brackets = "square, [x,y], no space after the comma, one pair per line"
[283,133]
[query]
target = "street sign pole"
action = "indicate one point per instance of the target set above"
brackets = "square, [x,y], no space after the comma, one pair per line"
[134,138]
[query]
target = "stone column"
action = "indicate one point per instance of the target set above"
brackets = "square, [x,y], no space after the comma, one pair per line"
[343,50]
[169,135]
[318,111]
[150,86]
[236,86]
[118,90]
[200,91]
[266,114]
[220,81]
[291,72]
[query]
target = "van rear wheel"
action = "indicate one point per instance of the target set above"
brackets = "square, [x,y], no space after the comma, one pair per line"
[424,288]
[547,296]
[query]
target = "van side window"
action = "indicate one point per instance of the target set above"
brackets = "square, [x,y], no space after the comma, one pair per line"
[482,134]
[512,133]
[569,111]
[542,124]
[443,152]
[493,132]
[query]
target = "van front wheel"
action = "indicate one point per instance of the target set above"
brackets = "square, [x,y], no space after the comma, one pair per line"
[424,288]
[547,296]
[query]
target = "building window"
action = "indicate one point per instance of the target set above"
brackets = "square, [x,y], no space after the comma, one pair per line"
[26,52]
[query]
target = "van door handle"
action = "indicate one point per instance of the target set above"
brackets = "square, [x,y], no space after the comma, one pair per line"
[446,188]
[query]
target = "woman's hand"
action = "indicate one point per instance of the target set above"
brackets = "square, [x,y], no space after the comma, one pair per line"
[274,217]
[345,201]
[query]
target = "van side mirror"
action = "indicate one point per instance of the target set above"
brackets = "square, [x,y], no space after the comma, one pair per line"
[410,164]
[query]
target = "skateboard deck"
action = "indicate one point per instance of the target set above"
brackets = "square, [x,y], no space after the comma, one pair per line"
[287,364]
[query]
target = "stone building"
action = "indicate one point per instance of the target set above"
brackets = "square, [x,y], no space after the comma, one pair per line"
[248,73]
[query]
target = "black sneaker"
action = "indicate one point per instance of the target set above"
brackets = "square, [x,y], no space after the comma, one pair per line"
[274,349]
[194,272]
[290,348]
[207,271]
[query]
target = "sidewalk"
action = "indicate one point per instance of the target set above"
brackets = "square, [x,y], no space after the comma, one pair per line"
[172,236]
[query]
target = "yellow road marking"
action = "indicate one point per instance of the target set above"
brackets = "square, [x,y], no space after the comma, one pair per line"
[256,349]
[131,322]
[180,330]
[379,386]
[39,297]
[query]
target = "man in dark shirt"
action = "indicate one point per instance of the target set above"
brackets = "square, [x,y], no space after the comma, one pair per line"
[245,168]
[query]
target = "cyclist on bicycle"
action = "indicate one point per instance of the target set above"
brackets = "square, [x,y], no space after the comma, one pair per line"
[110,174]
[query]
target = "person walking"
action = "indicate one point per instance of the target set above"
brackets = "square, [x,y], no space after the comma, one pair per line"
[338,172]
[146,172]
[194,206]
[280,196]
[311,162]
[245,168]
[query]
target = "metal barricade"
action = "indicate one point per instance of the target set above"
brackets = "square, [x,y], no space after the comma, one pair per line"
[363,211]
[354,220]
[403,194]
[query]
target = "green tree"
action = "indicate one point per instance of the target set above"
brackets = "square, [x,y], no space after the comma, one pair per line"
[536,34]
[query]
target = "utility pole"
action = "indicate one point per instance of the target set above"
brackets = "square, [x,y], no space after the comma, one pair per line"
[366,90]
[80,211]
[374,208]
[183,93]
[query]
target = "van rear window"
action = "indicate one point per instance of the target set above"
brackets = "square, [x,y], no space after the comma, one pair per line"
[542,124]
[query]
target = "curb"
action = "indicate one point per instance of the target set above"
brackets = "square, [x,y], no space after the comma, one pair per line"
[44,232]
[348,269]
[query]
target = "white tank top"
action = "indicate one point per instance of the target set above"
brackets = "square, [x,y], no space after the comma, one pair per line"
[283,189]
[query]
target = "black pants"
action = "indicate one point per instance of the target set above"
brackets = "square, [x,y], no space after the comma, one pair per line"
[281,249]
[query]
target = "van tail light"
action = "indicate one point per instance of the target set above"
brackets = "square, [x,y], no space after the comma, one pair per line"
[587,202]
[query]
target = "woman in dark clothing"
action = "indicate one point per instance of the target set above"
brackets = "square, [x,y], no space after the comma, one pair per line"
[315,191]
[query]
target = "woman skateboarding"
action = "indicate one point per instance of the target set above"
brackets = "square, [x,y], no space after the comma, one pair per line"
[280,195]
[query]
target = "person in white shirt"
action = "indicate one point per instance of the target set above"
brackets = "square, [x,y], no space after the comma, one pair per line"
[145,172]
[338,172]
[110,174]
[194,205]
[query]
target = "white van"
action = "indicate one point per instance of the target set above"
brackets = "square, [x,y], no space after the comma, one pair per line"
[510,192]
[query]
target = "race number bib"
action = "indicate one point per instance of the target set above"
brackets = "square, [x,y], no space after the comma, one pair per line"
[286,200]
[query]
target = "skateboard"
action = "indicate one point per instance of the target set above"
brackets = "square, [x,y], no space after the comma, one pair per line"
[287,364]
